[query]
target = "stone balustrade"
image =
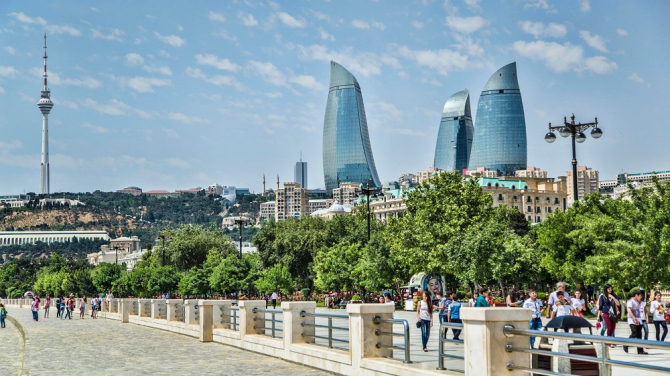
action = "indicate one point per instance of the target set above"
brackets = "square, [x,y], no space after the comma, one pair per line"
[211,321]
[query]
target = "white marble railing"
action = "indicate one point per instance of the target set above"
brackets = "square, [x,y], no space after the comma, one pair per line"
[220,321]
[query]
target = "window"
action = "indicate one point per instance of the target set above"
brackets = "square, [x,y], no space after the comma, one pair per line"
[530,209]
[514,187]
[538,219]
[530,218]
[488,185]
[528,199]
[500,197]
[497,185]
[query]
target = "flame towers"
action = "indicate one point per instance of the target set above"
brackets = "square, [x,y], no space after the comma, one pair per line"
[347,154]
[500,131]
[454,139]
[45,105]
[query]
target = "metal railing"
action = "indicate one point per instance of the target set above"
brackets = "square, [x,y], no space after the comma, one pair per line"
[330,327]
[444,328]
[603,341]
[405,334]
[273,321]
[179,312]
[233,316]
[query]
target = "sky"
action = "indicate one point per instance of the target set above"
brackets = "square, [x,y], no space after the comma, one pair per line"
[176,94]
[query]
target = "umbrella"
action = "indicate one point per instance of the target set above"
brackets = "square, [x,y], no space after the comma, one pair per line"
[568,322]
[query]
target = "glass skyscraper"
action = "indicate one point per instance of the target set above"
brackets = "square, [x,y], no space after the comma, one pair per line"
[347,155]
[500,130]
[454,139]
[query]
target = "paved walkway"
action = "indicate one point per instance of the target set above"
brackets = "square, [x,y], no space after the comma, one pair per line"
[108,347]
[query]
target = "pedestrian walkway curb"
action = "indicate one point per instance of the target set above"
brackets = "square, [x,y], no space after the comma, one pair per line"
[22,333]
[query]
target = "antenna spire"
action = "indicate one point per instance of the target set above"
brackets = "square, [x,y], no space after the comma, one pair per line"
[45,64]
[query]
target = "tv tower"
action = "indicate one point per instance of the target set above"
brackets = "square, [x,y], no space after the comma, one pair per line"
[45,105]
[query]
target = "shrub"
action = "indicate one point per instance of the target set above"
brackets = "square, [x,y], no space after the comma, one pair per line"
[542,295]
[305,293]
[356,297]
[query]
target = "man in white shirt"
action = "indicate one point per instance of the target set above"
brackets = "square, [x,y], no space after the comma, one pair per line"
[633,306]
[562,307]
[553,297]
[535,305]
[274,299]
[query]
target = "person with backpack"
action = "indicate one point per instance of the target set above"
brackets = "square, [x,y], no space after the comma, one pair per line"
[3,315]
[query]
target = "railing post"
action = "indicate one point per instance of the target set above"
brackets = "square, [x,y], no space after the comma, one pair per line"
[206,329]
[125,309]
[247,315]
[171,310]
[362,338]
[292,319]
[191,313]
[484,340]
[156,305]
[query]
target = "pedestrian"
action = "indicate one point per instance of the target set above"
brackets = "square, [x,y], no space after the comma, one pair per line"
[82,307]
[481,298]
[265,297]
[47,304]
[274,299]
[473,299]
[644,314]
[3,315]
[553,298]
[57,306]
[381,299]
[424,315]
[69,306]
[658,309]
[109,297]
[633,308]
[535,305]
[62,306]
[35,307]
[388,300]
[562,307]
[511,298]
[579,304]
[94,302]
[609,306]
[454,314]
[442,305]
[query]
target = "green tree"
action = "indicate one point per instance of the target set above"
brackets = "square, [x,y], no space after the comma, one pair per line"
[104,275]
[189,246]
[276,278]
[164,279]
[338,268]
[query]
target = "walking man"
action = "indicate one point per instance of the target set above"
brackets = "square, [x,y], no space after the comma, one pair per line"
[274,299]
[634,321]
[454,314]
[535,305]
[553,298]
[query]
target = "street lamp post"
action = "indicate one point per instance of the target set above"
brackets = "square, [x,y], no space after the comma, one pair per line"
[577,133]
[367,191]
[116,249]
[240,221]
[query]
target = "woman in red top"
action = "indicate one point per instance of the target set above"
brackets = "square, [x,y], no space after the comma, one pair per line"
[47,304]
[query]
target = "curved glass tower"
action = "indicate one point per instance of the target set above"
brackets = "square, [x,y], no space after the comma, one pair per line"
[454,139]
[347,155]
[500,131]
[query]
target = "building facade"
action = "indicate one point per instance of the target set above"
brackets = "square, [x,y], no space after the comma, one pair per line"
[14,201]
[32,237]
[300,173]
[319,204]
[347,193]
[587,182]
[531,172]
[135,191]
[347,154]
[267,210]
[422,176]
[454,138]
[535,198]
[291,202]
[500,133]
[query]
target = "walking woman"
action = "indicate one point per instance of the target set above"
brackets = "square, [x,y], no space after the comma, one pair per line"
[82,307]
[3,315]
[424,315]
[47,304]
[35,307]
[608,304]
[658,309]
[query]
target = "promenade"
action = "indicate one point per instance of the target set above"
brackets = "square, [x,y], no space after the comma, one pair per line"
[108,347]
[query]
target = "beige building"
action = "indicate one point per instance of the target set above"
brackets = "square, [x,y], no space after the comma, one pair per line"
[319,204]
[291,202]
[387,206]
[267,210]
[531,172]
[214,190]
[347,193]
[482,172]
[587,182]
[422,176]
[123,248]
[135,191]
[32,237]
[535,198]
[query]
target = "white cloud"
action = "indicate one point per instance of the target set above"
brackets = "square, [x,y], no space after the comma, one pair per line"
[172,40]
[160,69]
[600,65]
[417,24]
[405,132]
[308,82]
[180,28]
[51,28]
[144,84]
[621,32]
[360,24]
[186,119]
[268,72]
[379,25]
[178,162]
[325,35]
[114,35]
[563,57]
[540,4]
[539,29]
[218,17]
[55,79]
[403,74]
[224,34]
[114,107]
[96,128]
[10,50]
[364,63]
[584,5]
[134,59]
[247,19]
[213,60]
[466,24]
[595,41]
[214,80]
[472,4]
[291,21]
[389,109]
[94,9]
[273,94]
[8,71]
[636,78]
[321,16]
[2,91]
[443,61]
[63,102]
[14,145]
[150,16]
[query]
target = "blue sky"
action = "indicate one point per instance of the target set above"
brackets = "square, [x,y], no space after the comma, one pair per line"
[175,94]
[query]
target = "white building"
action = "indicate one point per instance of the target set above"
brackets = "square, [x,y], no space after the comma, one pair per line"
[267,210]
[32,237]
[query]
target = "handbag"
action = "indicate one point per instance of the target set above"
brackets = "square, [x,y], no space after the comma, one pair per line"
[594,310]
[667,317]
[613,316]
[418,324]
